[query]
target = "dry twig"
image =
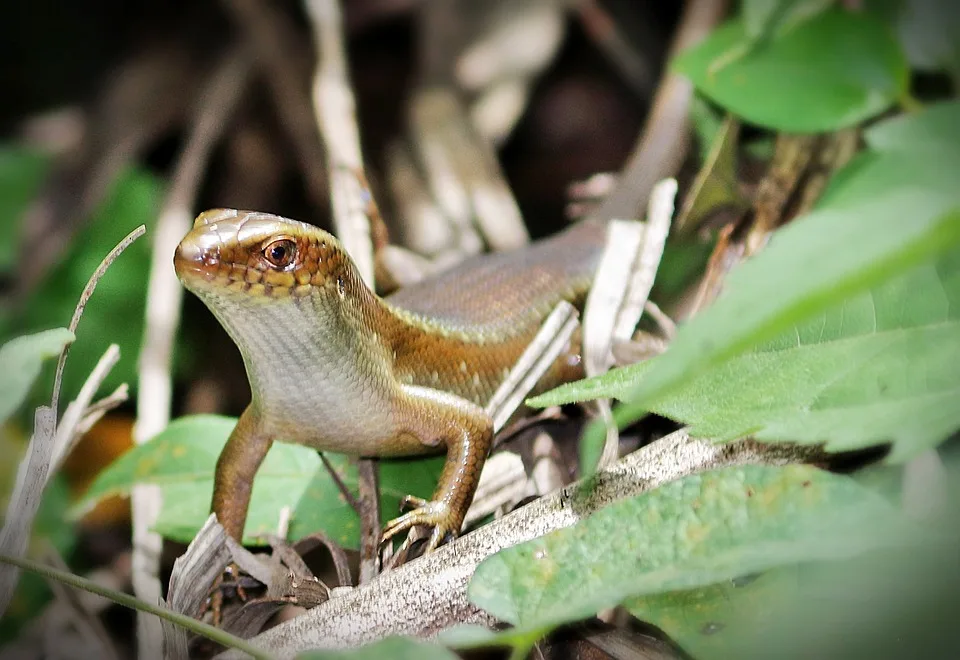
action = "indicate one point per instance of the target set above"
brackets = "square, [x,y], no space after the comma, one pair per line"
[164,297]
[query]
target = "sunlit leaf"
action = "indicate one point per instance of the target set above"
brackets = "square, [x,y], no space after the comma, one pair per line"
[829,72]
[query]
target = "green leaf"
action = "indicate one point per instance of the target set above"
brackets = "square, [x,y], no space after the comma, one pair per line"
[891,602]
[879,367]
[933,133]
[115,313]
[852,250]
[182,459]
[396,648]
[763,18]
[20,362]
[21,173]
[715,621]
[831,71]
[693,532]
[615,384]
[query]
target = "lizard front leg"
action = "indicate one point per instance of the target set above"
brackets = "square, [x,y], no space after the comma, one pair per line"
[237,466]
[239,461]
[466,430]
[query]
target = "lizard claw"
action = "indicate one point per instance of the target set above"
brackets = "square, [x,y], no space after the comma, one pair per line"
[435,514]
[228,580]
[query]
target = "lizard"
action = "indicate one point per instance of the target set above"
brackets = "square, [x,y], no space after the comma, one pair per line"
[334,366]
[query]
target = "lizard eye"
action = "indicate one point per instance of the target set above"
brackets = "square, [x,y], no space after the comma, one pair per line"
[280,253]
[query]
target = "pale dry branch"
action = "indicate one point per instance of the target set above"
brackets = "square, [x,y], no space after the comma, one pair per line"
[162,316]
[335,108]
[428,595]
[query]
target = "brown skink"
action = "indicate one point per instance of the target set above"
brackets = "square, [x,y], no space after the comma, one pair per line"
[335,367]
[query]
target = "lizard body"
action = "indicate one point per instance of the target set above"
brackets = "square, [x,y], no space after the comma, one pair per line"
[333,366]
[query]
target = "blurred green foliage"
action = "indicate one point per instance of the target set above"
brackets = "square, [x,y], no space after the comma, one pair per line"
[115,312]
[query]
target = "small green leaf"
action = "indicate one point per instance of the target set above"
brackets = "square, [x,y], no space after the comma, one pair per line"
[829,72]
[20,362]
[182,459]
[715,186]
[763,18]
[615,384]
[933,133]
[693,532]
[396,648]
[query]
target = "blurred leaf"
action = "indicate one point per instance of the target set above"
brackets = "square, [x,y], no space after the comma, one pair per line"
[710,622]
[21,174]
[689,533]
[889,603]
[832,71]
[398,648]
[116,311]
[765,18]
[933,133]
[706,120]
[930,33]
[683,261]
[20,362]
[715,185]
[182,460]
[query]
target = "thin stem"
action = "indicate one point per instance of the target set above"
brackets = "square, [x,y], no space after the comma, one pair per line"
[85,298]
[198,627]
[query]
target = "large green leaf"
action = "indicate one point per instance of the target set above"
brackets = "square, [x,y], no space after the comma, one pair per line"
[714,621]
[856,304]
[20,362]
[829,72]
[693,532]
[182,458]
[889,603]
[879,367]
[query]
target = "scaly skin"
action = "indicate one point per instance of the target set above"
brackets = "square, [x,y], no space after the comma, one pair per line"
[333,366]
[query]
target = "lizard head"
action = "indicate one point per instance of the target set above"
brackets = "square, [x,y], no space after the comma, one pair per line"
[288,295]
[258,256]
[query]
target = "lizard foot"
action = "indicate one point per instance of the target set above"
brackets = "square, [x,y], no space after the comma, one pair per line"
[228,583]
[435,514]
